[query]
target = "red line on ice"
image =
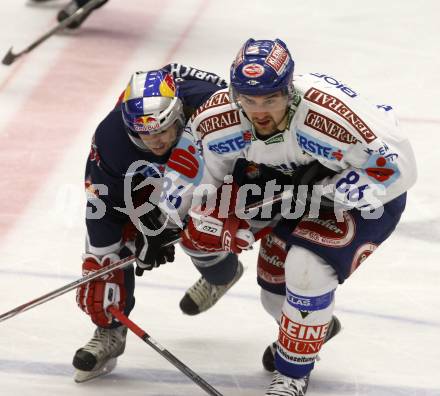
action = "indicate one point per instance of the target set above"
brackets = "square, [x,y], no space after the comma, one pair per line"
[203,5]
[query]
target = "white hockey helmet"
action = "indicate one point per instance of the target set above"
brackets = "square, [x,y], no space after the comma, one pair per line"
[150,104]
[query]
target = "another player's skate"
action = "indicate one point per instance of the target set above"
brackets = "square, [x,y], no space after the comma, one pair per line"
[285,386]
[71,8]
[268,359]
[98,356]
[203,295]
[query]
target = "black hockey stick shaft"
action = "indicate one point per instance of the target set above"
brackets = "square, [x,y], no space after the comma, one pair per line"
[117,265]
[10,57]
[164,352]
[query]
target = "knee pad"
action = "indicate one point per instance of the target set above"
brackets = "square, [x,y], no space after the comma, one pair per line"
[272,303]
[307,272]
[310,287]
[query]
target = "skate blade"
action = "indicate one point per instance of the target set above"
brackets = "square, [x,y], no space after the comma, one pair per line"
[84,376]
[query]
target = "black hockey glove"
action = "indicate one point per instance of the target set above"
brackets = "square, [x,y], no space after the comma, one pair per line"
[150,252]
[305,175]
[310,175]
[247,172]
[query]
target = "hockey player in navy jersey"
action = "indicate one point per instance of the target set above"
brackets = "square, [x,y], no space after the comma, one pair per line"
[127,158]
[314,131]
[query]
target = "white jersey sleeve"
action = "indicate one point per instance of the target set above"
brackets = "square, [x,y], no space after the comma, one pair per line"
[359,140]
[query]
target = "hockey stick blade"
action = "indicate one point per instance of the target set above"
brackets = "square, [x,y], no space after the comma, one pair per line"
[10,57]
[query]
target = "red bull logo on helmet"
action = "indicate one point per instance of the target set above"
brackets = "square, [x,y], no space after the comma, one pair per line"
[146,124]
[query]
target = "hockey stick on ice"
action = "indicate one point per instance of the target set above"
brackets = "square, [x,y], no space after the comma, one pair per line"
[163,352]
[117,265]
[10,57]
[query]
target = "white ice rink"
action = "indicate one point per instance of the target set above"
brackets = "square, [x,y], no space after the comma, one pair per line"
[52,99]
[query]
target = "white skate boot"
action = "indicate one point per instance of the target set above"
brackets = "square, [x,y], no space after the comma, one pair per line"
[202,295]
[285,386]
[98,356]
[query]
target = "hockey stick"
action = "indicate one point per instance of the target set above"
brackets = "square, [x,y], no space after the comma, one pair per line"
[75,284]
[118,265]
[64,289]
[163,352]
[10,57]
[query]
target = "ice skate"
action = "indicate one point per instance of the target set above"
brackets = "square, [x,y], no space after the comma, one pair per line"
[70,9]
[268,359]
[203,295]
[98,356]
[285,386]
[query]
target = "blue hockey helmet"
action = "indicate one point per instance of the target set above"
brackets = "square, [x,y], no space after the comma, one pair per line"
[262,67]
[150,104]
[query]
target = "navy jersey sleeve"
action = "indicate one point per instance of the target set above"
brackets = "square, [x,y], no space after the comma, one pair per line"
[104,180]
[188,73]
[195,86]
[194,93]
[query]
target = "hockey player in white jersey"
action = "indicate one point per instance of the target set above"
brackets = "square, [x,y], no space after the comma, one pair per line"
[315,130]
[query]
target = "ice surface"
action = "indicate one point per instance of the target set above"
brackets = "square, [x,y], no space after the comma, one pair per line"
[52,99]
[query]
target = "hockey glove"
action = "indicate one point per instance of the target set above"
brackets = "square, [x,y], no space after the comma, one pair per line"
[150,252]
[310,175]
[246,172]
[96,296]
[210,233]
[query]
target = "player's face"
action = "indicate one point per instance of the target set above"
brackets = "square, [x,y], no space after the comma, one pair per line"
[160,143]
[266,112]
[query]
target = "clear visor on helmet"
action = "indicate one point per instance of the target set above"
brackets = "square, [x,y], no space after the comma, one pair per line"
[161,141]
[276,101]
[160,114]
